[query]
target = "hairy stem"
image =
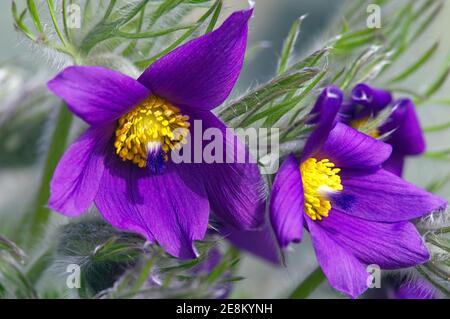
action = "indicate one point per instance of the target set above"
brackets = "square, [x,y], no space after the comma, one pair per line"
[58,141]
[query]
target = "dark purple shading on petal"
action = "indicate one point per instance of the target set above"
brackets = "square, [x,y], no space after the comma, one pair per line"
[407,135]
[236,190]
[388,245]
[383,196]
[324,117]
[286,203]
[96,94]
[349,148]
[343,270]
[261,243]
[169,208]
[395,163]
[372,98]
[202,73]
[77,177]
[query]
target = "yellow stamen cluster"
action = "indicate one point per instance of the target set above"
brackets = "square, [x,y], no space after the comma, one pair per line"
[319,177]
[153,122]
[359,124]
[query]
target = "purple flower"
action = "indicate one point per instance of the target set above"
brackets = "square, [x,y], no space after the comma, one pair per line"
[122,162]
[402,127]
[356,212]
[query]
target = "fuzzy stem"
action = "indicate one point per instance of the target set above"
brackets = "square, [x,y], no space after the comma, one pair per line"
[307,286]
[58,141]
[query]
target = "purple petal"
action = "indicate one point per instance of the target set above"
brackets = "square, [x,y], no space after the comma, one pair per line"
[417,288]
[395,163]
[388,245]
[374,99]
[170,208]
[202,73]
[78,174]
[349,148]
[286,203]
[261,243]
[383,196]
[407,135]
[235,188]
[324,117]
[96,94]
[343,270]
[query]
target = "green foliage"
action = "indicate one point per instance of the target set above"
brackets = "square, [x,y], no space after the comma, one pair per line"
[102,252]
[13,281]
[279,86]
[121,265]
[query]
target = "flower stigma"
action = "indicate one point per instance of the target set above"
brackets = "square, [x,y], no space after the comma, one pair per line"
[319,179]
[148,132]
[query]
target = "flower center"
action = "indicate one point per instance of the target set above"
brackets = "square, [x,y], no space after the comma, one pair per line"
[319,178]
[359,124]
[149,131]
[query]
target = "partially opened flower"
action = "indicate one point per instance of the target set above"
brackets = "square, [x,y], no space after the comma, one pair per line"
[402,127]
[356,212]
[122,162]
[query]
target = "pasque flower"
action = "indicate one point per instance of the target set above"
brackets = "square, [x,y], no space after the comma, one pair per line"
[402,127]
[122,162]
[356,212]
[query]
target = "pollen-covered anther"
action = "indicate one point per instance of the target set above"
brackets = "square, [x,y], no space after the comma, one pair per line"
[154,123]
[319,179]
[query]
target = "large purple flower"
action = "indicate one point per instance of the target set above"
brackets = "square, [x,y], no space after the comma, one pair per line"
[356,212]
[402,127]
[122,162]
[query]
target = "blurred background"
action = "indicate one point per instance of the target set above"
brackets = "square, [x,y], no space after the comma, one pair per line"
[20,153]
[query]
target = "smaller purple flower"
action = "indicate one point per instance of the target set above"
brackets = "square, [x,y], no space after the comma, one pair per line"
[356,212]
[402,127]
[122,162]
